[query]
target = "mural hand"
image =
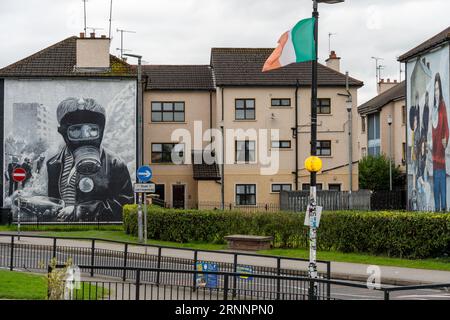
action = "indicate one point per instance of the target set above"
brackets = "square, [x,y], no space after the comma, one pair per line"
[66,213]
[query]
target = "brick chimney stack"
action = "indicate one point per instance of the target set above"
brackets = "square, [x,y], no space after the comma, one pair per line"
[383,85]
[334,62]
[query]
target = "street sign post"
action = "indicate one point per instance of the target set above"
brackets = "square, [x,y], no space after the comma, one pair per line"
[144,175]
[19,175]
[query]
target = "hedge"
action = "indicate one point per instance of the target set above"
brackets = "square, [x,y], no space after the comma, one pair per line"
[394,234]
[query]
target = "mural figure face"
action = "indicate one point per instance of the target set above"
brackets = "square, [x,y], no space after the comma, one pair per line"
[437,93]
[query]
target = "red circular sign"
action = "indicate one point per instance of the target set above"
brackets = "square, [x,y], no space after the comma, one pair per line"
[19,174]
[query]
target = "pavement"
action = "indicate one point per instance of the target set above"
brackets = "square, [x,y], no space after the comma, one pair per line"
[340,270]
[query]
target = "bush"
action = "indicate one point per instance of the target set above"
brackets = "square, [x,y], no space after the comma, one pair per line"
[395,234]
[374,173]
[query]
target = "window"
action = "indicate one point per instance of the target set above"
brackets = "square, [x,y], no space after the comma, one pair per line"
[245,109]
[323,106]
[307,186]
[278,187]
[162,152]
[404,115]
[282,144]
[363,124]
[246,194]
[374,142]
[167,111]
[334,187]
[281,102]
[324,148]
[245,151]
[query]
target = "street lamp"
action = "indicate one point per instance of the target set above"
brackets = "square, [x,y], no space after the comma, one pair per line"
[312,270]
[140,143]
[389,120]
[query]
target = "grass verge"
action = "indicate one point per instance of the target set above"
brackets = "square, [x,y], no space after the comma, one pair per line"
[26,286]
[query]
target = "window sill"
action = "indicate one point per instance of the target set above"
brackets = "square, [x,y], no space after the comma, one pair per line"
[250,120]
[167,122]
[324,114]
[281,108]
[281,149]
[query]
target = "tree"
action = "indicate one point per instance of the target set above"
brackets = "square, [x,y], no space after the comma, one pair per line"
[374,173]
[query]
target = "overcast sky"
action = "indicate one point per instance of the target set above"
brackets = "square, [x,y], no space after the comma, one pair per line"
[183,31]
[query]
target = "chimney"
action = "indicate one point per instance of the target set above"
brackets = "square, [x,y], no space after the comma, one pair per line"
[334,62]
[92,53]
[383,85]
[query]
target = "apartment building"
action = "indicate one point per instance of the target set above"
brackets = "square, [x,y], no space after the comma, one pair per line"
[233,94]
[384,118]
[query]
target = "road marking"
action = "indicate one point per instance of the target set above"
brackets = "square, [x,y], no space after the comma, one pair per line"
[424,296]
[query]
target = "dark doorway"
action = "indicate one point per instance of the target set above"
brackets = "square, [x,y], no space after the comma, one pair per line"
[178,196]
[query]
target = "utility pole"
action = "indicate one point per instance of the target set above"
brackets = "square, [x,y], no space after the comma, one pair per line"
[312,209]
[390,151]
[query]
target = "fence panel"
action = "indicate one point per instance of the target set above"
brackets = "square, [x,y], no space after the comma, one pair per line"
[329,200]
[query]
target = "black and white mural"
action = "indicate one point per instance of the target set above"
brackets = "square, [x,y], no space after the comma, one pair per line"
[76,140]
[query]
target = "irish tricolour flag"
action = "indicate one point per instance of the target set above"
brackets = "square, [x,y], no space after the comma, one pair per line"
[296,45]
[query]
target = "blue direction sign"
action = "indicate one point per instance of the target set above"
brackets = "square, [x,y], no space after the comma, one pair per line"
[144,174]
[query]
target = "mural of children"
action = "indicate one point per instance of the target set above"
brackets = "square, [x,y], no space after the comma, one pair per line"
[422,176]
[440,135]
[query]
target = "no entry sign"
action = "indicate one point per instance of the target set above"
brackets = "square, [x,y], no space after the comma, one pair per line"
[19,174]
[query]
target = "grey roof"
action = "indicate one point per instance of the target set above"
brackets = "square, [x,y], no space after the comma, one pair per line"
[178,77]
[441,37]
[393,94]
[59,60]
[243,67]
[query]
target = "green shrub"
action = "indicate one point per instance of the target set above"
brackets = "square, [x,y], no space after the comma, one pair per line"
[395,234]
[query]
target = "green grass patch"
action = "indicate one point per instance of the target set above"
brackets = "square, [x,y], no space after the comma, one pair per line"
[22,286]
[26,286]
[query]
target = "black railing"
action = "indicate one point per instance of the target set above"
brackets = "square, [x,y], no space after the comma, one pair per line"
[128,256]
[292,288]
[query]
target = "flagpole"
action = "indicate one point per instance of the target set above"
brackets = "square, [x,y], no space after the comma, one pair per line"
[312,270]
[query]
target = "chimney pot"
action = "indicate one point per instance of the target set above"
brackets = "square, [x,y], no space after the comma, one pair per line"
[103,36]
[92,34]
[81,34]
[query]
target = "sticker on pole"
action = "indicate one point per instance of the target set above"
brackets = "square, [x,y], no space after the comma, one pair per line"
[144,174]
[314,223]
[19,175]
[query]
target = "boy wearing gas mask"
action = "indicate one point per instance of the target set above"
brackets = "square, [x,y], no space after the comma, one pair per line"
[93,183]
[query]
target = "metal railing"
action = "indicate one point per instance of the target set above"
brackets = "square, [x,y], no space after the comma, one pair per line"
[129,256]
[291,288]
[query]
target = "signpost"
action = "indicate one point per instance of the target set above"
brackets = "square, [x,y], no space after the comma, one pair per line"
[19,175]
[144,175]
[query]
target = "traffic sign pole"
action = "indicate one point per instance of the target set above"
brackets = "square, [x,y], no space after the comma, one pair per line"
[139,217]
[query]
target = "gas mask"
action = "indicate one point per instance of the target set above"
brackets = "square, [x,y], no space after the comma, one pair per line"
[83,134]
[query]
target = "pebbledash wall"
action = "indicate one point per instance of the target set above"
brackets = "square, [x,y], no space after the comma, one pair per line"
[31,139]
[428,116]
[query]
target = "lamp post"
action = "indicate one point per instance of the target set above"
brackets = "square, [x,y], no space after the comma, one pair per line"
[390,151]
[312,270]
[142,230]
